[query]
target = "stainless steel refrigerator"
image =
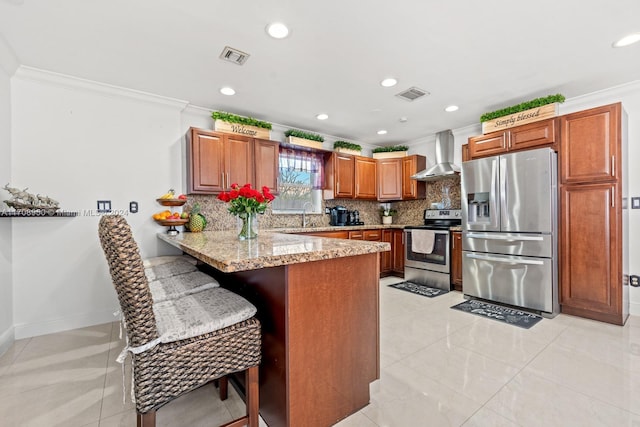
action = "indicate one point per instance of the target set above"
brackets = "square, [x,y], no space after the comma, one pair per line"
[509,230]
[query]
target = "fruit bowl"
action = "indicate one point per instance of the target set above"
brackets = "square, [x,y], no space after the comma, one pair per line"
[172,222]
[171,202]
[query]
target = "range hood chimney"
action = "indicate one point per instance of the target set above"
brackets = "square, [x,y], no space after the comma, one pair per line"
[444,166]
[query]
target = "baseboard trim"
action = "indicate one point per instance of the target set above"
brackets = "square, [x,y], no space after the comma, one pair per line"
[7,339]
[28,330]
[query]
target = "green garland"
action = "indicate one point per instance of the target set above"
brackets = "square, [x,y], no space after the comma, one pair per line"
[391,148]
[347,145]
[233,118]
[304,135]
[538,102]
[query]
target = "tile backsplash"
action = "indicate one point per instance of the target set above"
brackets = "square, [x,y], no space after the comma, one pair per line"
[409,212]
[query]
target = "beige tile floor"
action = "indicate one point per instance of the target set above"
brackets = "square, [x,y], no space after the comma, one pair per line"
[439,367]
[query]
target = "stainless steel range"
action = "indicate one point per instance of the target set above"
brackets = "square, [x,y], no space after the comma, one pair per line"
[427,257]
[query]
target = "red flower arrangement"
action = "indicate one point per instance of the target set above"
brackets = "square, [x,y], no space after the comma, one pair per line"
[246,200]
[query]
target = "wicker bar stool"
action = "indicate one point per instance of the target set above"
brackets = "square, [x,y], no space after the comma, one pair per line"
[167,365]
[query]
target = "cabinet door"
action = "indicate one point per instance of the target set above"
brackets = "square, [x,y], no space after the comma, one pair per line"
[490,144]
[398,251]
[344,176]
[465,152]
[386,260]
[365,178]
[412,189]
[266,159]
[389,179]
[456,260]
[589,145]
[205,160]
[238,151]
[534,135]
[590,251]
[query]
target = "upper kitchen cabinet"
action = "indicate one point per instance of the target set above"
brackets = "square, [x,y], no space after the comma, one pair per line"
[215,160]
[589,149]
[339,176]
[533,135]
[265,153]
[389,179]
[412,189]
[365,178]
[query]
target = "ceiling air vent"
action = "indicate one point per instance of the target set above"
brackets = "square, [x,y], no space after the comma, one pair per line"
[234,56]
[412,94]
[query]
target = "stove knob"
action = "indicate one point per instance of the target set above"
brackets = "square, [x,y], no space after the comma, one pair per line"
[457,213]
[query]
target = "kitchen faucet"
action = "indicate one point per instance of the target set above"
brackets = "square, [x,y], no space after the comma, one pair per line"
[304,213]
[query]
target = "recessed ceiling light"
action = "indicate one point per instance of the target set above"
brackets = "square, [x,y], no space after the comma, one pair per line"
[389,82]
[277,30]
[322,116]
[227,91]
[382,132]
[627,40]
[451,108]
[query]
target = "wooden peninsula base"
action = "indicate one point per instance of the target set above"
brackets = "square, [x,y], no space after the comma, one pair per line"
[320,324]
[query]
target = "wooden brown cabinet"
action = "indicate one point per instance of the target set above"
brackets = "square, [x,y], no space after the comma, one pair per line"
[386,258]
[215,160]
[456,260]
[365,178]
[592,280]
[412,189]
[397,249]
[390,179]
[533,135]
[344,176]
[266,160]
[356,235]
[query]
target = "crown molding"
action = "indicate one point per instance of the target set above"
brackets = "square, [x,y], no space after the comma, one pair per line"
[601,97]
[71,82]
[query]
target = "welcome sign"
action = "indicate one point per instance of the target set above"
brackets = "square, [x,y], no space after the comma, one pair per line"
[522,118]
[241,129]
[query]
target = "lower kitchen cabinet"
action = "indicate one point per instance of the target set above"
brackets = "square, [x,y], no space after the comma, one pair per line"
[456,260]
[386,259]
[397,252]
[591,271]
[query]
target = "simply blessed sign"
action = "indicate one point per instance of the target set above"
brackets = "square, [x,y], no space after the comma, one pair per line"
[521,118]
[241,129]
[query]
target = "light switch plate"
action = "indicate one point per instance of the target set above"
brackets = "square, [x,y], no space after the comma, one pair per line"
[635,203]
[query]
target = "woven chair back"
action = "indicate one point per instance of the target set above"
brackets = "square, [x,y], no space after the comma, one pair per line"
[127,274]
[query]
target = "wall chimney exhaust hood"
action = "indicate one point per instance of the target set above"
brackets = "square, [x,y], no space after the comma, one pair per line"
[444,166]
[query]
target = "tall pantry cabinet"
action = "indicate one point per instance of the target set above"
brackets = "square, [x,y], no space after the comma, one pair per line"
[593,238]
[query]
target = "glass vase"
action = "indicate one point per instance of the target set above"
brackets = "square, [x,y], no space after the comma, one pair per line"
[247,226]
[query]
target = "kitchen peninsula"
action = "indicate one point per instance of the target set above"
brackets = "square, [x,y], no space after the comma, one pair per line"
[318,301]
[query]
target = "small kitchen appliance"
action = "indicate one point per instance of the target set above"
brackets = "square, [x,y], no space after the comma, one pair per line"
[427,252]
[338,216]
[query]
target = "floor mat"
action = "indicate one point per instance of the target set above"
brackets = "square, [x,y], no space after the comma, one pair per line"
[419,289]
[500,313]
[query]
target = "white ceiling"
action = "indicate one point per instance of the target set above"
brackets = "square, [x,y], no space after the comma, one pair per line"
[479,55]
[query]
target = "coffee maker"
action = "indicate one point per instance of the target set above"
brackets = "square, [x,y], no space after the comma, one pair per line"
[338,216]
[353,218]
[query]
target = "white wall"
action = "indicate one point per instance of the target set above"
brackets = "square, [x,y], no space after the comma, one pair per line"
[8,64]
[80,142]
[629,95]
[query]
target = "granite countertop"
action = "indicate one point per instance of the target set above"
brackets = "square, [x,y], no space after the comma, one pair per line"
[457,228]
[336,228]
[223,251]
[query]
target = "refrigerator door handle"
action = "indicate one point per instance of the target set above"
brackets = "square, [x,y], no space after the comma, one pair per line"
[493,206]
[504,202]
[505,261]
[504,238]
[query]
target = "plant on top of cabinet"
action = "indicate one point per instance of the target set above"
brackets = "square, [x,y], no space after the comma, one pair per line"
[520,114]
[305,139]
[390,152]
[347,147]
[232,123]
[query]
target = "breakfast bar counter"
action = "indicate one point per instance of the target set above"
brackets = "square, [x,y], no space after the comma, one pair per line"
[318,302]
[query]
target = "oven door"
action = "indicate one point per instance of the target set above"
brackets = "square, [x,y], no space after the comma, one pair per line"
[437,260]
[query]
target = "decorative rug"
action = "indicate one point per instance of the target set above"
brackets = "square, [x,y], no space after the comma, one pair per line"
[418,288]
[500,313]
